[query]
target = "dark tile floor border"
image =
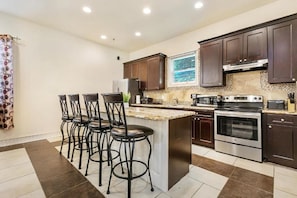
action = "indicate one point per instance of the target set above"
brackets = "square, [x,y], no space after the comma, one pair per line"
[59,178]
[241,182]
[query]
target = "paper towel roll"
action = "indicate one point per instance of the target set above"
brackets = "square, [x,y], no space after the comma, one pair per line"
[137,99]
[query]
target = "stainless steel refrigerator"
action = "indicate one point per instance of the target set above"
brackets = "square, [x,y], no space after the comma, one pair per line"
[127,85]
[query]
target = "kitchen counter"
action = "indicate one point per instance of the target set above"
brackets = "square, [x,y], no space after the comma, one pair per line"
[179,107]
[275,111]
[156,113]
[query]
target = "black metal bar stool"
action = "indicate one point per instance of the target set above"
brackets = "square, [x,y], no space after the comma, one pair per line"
[66,119]
[98,129]
[79,121]
[128,135]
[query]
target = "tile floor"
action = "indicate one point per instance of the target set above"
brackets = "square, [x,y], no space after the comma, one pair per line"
[37,170]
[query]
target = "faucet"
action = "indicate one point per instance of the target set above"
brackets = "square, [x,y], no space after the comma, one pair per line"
[175,101]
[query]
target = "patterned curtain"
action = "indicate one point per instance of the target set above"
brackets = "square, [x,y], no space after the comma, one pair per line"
[6,82]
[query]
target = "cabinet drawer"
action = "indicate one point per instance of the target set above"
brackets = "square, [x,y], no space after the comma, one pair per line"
[281,119]
[204,113]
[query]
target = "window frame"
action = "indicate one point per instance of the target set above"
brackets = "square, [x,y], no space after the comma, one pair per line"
[170,70]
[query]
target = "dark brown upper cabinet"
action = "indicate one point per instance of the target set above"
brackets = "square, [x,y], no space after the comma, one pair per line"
[131,70]
[149,70]
[211,67]
[282,52]
[246,47]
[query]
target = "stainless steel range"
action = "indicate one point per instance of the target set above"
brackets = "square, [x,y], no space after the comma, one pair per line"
[237,126]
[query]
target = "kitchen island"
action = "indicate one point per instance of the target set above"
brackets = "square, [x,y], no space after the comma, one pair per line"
[171,143]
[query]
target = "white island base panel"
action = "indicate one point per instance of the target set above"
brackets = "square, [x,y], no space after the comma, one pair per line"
[159,158]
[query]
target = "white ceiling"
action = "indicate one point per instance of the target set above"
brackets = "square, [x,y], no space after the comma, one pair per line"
[119,19]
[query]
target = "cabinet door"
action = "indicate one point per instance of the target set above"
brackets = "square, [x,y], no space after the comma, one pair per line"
[282,145]
[211,67]
[142,73]
[131,70]
[195,129]
[282,52]
[127,70]
[155,74]
[206,131]
[255,45]
[232,51]
[202,131]
[134,70]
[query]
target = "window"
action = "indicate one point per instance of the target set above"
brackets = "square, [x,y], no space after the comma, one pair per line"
[182,70]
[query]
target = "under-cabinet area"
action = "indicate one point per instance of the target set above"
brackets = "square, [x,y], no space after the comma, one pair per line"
[280,139]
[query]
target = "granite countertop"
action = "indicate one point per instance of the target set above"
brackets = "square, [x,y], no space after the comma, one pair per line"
[193,108]
[179,106]
[276,111]
[156,113]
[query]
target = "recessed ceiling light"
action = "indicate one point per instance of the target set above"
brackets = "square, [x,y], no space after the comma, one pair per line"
[87,9]
[103,37]
[198,5]
[146,10]
[137,33]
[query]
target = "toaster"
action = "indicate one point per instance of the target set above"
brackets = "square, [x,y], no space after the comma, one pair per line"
[276,104]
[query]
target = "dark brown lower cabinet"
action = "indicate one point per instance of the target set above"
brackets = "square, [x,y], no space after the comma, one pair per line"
[180,149]
[202,129]
[280,139]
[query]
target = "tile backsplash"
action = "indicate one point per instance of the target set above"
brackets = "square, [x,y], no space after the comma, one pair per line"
[250,82]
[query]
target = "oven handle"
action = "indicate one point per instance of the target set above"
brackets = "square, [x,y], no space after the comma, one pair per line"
[237,114]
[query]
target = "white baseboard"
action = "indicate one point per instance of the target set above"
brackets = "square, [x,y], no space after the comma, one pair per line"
[32,138]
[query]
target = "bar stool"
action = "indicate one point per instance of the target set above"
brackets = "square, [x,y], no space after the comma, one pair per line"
[100,129]
[79,121]
[66,119]
[128,135]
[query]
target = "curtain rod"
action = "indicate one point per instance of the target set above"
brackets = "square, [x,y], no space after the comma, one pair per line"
[16,38]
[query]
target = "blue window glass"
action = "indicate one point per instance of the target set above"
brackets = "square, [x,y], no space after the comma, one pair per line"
[184,69]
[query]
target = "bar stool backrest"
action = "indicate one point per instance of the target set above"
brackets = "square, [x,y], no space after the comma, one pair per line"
[64,107]
[115,110]
[92,107]
[75,106]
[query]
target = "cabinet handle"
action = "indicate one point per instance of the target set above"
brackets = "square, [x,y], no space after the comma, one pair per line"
[244,60]
[240,60]
[293,79]
[270,126]
[282,119]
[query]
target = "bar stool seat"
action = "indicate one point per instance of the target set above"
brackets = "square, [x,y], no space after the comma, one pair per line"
[133,131]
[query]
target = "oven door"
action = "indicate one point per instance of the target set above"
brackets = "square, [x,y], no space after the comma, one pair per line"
[243,128]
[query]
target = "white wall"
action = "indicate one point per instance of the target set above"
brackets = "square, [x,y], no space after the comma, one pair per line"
[49,63]
[188,42]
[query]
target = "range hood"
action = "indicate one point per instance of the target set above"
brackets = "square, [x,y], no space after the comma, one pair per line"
[247,66]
